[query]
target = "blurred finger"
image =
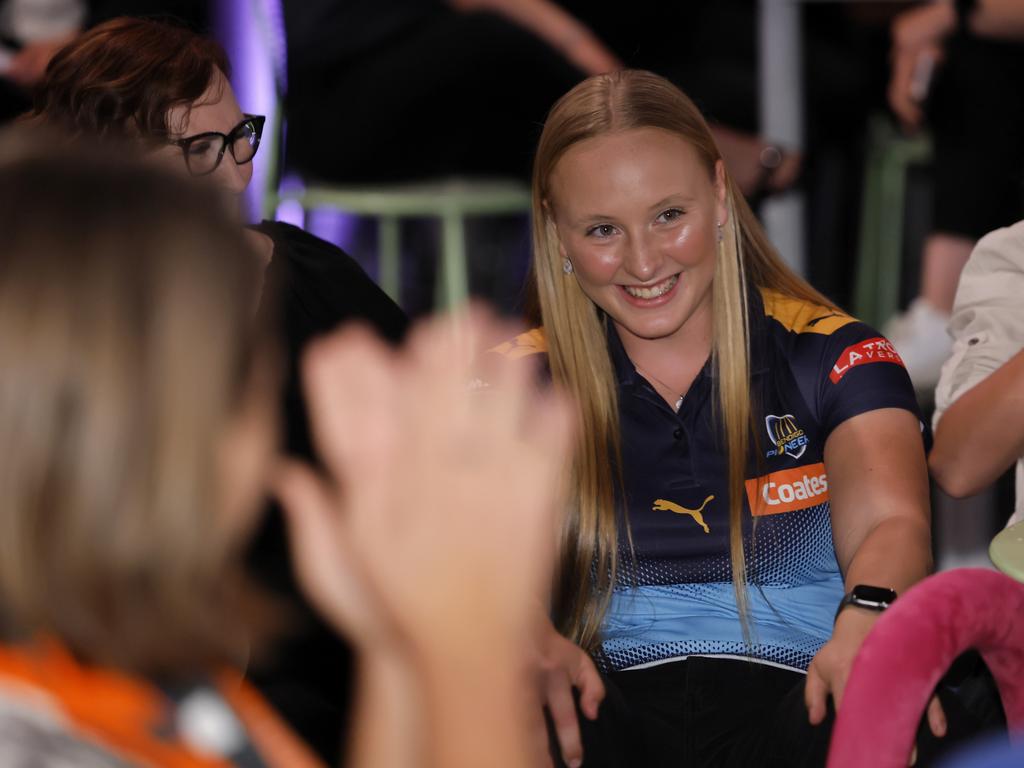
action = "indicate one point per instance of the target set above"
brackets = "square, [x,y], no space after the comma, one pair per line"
[348,381]
[319,556]
[436,364]
[507,405]
[900,88]
[588,681]
[563,715]
[553,427]
[815,693]
[921,75]
[540,741]
[838,689]
[937,718]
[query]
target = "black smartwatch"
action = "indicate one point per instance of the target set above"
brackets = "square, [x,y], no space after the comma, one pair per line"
[865,596]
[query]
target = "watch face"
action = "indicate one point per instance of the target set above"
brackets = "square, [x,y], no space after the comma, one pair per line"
[873,595]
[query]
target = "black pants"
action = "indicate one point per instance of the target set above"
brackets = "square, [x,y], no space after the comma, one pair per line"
[726,712]
[463,93]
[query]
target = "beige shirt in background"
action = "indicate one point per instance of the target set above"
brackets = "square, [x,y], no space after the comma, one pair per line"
[987,324]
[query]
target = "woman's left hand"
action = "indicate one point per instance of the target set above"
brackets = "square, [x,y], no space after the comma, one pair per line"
[918,35]
[881,530]
[830,669]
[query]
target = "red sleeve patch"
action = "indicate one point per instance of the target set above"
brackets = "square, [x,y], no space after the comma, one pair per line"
[876,350]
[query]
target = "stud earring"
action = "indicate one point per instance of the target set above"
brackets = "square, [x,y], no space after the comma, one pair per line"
[567,266]
[721,234]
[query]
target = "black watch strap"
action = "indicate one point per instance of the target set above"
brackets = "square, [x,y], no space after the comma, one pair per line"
[867,596]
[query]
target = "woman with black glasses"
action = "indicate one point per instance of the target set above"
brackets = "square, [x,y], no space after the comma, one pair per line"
[166,88]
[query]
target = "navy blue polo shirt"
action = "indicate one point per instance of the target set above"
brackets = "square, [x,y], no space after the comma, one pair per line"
[811,369]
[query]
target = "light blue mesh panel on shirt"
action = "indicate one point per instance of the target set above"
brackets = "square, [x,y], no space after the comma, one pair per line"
[681,607]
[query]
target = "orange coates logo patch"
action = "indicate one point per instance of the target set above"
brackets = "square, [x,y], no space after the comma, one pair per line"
[788,490]
[876,350]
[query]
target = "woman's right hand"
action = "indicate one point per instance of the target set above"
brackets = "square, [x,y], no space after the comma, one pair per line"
[562,665]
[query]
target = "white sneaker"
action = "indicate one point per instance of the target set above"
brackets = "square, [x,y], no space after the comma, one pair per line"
[920,336]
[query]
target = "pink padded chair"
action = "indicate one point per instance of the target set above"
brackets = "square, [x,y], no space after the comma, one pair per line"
[909,650]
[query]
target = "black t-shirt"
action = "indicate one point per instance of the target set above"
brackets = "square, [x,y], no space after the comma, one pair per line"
[316,287]
[322,33]
[195,14]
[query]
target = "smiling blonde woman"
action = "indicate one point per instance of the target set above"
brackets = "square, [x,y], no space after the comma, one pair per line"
[750,453]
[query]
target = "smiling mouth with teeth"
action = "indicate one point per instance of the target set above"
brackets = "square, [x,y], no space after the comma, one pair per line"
[654,291]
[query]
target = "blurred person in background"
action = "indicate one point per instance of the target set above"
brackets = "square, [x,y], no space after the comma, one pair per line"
[166,89]
[32,31]
[709,51]
[957,69]
[494,67]
[430,89]
[427,88]
[138,421]
[383,91]
[979,401]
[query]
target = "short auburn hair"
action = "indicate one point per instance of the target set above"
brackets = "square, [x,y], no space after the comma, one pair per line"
[122,78]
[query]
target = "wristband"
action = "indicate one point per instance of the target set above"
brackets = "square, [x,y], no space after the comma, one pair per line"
[866,596]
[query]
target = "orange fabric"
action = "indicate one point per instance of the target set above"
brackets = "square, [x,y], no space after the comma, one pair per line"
[272,738]
[525,344]
[124,714]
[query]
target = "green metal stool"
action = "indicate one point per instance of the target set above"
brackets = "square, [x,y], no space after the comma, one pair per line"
[880,252]
[450,200]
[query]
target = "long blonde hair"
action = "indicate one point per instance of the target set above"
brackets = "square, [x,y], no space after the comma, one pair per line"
[577,345]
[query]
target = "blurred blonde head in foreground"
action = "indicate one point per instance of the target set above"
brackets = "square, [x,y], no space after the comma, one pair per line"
[135,409]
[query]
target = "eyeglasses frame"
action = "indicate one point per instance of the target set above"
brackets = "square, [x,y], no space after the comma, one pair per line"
[227,139]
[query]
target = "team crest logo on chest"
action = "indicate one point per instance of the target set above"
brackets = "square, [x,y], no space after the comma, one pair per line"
[788,438]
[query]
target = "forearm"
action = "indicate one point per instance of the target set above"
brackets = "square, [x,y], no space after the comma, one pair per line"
[981,433]
[896,553]
[440,706]
[545,19]
[1000,19]
[387,724]
[475,700]
[934,22]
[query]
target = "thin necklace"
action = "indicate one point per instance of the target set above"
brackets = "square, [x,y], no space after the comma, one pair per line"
[645,372]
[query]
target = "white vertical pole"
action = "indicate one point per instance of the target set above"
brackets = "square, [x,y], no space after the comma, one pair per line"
[781,113]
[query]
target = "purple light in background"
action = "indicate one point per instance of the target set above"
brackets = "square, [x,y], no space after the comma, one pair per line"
[235,26]
[252,33]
